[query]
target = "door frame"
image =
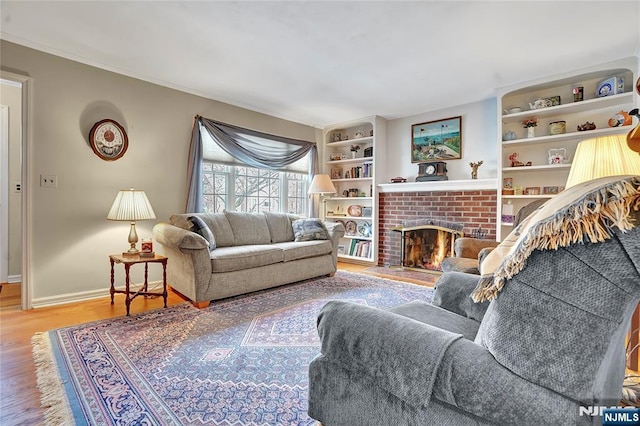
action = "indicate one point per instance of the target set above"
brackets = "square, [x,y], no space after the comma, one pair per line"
[26,145]
[4,194]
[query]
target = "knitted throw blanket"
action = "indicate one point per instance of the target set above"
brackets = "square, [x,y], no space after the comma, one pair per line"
[586,212]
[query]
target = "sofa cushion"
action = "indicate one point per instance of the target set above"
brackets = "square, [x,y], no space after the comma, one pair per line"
[301,250]
[217,223]
[236,258]
[201,228]
[309,229]
[248,228]
[280,226]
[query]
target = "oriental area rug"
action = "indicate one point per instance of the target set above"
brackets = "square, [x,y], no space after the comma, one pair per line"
[241,361]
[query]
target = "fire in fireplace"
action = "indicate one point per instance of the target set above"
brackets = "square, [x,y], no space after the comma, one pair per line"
[424,247]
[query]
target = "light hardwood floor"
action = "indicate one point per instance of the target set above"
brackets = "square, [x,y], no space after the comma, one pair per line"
[19,398]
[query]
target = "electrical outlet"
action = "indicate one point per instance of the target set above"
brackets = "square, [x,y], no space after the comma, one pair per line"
[49,181]
[17,187]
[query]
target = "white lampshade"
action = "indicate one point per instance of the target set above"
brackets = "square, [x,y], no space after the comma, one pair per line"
[131,205]
[321,184]
[603,156]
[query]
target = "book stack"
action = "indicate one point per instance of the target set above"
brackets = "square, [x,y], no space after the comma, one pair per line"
[360,248]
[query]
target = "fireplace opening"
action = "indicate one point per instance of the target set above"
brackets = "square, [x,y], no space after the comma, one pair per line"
[424,247]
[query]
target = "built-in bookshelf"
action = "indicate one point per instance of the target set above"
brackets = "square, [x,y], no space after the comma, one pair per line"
[351,152]
[537,166]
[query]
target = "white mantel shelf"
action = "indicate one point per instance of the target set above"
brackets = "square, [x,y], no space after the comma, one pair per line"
[440,185]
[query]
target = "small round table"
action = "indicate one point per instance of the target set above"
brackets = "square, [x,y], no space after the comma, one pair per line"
[127,261]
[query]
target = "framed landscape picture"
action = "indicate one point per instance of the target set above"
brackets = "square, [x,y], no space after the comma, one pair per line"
[437,140]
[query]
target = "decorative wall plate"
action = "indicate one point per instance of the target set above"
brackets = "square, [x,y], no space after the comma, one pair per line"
[351,228]
[108,140]
[354,210]
[364,229]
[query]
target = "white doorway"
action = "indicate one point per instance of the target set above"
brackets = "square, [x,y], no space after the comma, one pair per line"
[4,194]
[15,143]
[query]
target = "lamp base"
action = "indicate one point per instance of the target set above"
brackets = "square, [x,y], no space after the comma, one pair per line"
[133,252]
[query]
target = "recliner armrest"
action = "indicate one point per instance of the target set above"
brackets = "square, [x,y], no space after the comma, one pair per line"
[471,379]
[453,293]
[399,353]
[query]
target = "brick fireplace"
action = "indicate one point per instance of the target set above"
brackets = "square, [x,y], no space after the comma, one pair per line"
[473,209]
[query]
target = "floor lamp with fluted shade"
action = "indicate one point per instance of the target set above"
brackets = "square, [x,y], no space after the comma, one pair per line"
[131,205]
[603,156]
[321,184]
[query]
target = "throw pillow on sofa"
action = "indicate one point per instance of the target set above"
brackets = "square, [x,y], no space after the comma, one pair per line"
[309,230]
[201,228]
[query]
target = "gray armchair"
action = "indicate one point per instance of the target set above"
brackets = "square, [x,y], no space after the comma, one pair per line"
[470,252]
[552,341]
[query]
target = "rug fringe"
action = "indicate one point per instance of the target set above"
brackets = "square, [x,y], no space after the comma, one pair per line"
[52,394]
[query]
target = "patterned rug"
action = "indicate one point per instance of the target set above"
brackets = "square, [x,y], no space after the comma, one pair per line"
[241,361]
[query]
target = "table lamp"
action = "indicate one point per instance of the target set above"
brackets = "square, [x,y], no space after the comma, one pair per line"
[321,184]
[131,205]
[603,156]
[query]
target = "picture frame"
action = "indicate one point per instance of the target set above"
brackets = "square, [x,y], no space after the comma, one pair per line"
[550,190]
[532,190]
[341,249]
[336,173]
[437,140]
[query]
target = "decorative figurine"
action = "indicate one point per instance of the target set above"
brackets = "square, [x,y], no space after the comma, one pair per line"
[474,169]
[586,126]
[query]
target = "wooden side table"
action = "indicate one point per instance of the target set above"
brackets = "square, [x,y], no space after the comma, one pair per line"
[142,291]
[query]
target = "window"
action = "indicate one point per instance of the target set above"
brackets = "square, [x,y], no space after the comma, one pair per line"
[248,189]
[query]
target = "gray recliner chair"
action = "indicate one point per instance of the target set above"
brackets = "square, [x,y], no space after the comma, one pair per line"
[546,349]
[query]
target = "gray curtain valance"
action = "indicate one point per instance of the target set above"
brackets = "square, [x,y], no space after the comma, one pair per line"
[250,147]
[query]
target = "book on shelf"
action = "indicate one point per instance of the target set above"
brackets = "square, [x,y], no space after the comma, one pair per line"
[360,248]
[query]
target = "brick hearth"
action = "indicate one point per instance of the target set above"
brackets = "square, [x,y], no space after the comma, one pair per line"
[472,209]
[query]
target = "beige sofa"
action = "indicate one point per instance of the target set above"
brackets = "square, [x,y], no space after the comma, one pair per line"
[253,251]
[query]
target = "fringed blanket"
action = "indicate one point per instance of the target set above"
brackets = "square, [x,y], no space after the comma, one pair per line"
[586,212]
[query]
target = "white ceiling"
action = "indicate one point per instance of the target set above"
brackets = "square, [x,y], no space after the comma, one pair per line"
[322,62]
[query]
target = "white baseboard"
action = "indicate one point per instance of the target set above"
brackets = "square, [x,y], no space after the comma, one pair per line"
[41,302]
[14,279]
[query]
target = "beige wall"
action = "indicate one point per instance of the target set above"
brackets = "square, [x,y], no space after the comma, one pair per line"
[71,237]
[479,136]
[10,96]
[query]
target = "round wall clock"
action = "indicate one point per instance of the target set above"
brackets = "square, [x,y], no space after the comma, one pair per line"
[108,140]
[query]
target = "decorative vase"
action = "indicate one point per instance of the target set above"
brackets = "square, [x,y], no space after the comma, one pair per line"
[353,154]
[531,132]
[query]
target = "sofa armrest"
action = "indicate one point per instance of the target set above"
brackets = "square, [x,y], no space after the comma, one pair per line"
[400,354]
[178,238]
[189,265]
[335,230]
[470,247]
[453,293]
